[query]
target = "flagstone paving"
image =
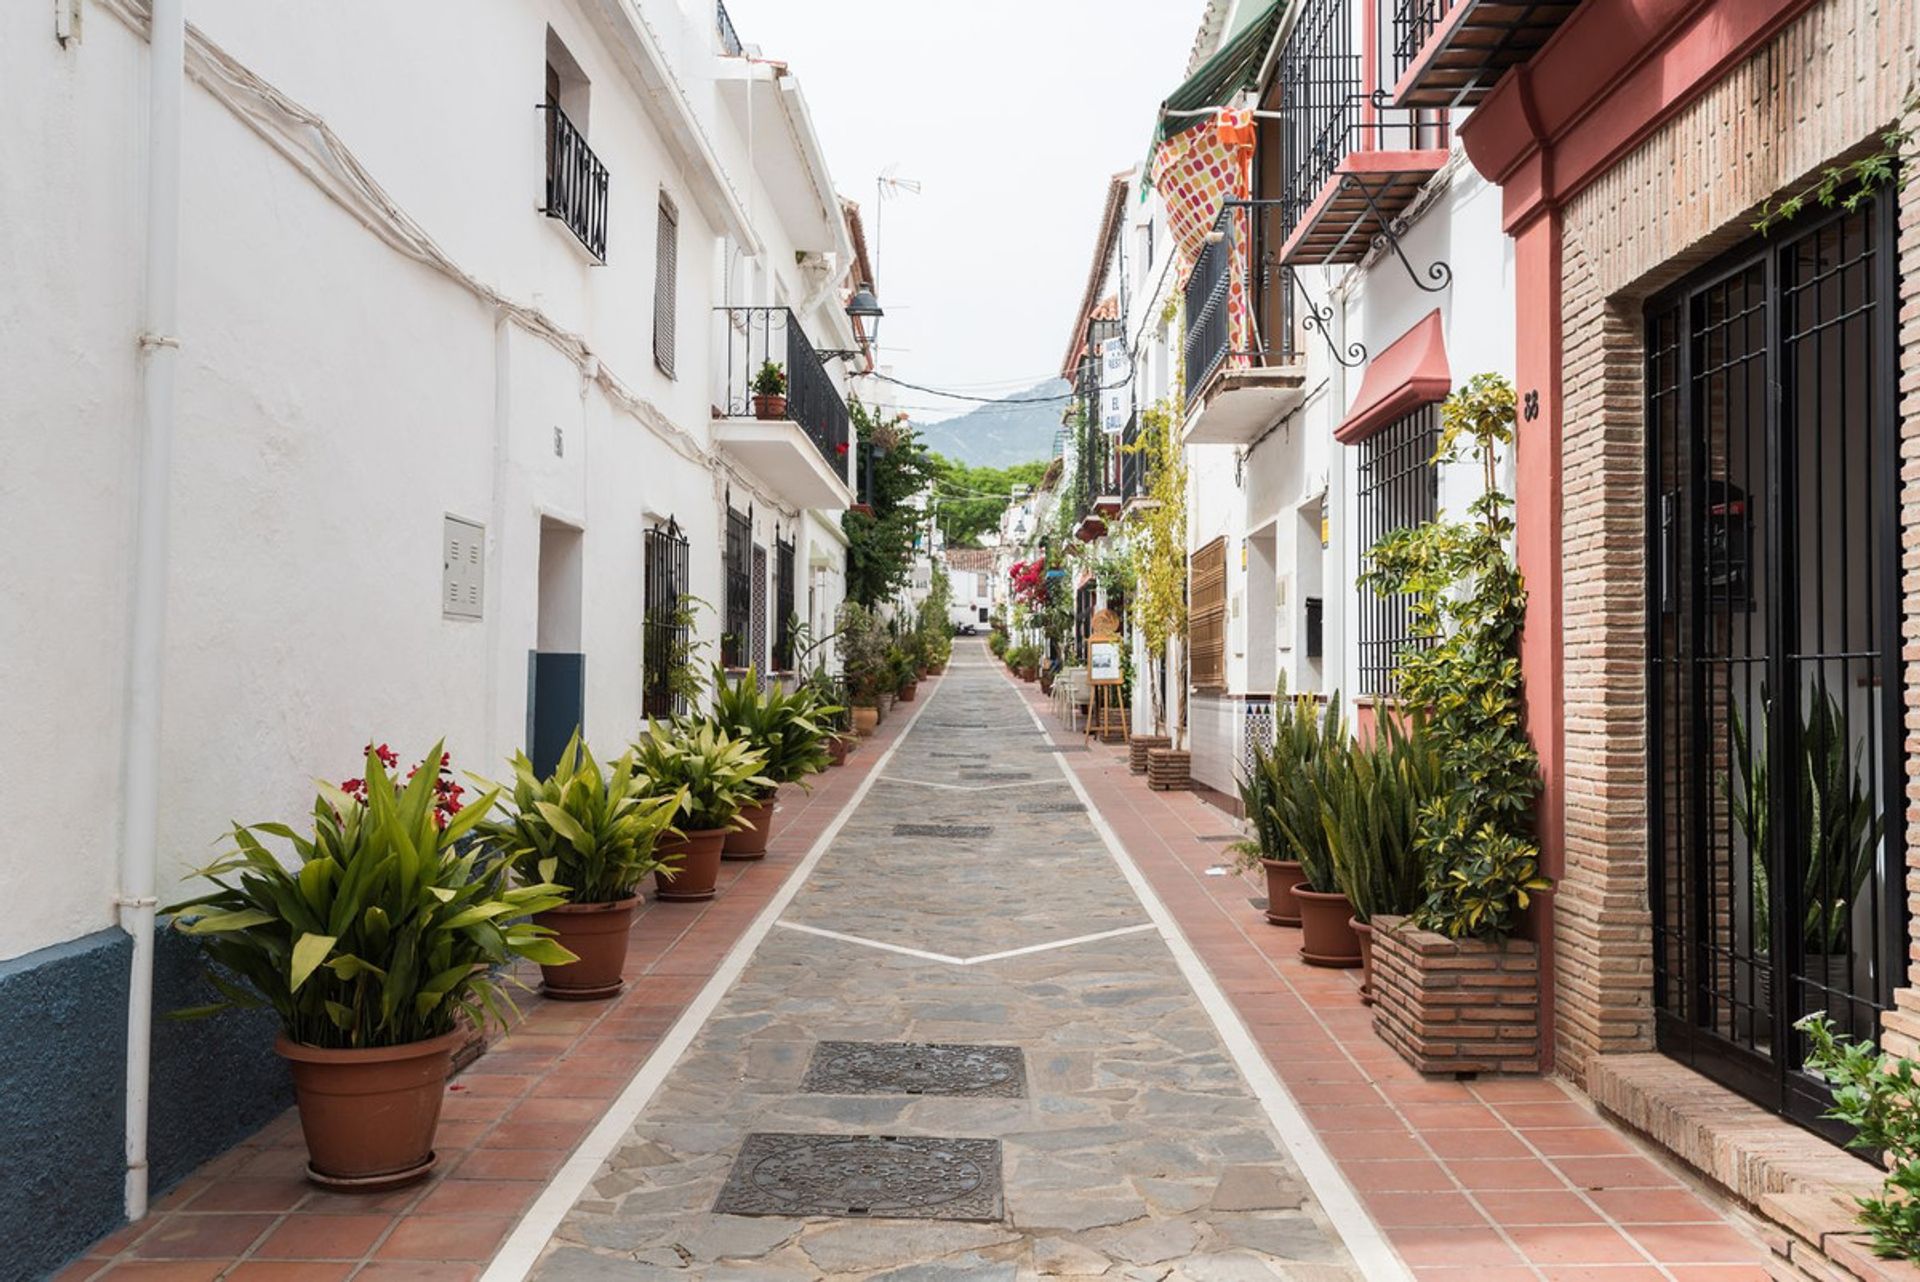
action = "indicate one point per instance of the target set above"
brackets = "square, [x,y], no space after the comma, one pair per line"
[1138,1151]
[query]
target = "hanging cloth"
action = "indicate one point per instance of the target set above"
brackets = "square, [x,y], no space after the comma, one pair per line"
[1196,171]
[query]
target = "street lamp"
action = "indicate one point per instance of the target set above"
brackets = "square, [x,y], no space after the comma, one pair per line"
[864,310]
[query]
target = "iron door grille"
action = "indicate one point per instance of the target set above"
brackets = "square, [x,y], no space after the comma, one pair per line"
[666,636]
[784,617]
[1775,703]
[733,638]
[1398,488]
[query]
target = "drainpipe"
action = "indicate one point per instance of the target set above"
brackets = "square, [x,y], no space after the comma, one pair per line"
[160,352]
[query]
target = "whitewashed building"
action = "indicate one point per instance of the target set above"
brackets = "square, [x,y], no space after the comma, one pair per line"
[439,352]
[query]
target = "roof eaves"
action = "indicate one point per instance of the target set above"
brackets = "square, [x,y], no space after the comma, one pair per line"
[1111,219]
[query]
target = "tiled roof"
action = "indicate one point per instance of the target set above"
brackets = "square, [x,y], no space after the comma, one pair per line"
[970,558]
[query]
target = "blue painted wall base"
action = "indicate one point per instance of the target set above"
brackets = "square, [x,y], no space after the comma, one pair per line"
[63,1067]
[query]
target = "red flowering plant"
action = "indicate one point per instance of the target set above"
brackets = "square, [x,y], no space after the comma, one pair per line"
[1030,582]
[446,792]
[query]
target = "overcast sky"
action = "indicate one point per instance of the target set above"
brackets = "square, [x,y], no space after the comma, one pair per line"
[1012,115]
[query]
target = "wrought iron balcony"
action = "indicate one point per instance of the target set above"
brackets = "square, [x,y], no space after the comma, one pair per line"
[1450,53]
[576,183]
[729,38]
[1351,161]
[1133,464]
[1240,378]
[752,337]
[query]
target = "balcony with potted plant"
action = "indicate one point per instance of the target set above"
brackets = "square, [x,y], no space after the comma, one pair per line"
[778,412]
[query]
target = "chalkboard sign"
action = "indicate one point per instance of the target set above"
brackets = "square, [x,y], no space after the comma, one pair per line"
[1103,662]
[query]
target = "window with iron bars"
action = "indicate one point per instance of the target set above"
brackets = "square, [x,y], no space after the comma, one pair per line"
[739,585]
[666,637]
[1398,489]
[783,605]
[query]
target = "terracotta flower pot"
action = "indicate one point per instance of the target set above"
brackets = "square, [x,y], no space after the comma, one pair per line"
[369,1115]
[1325,937]
[751,842]
[597,935]
[1029,674]
[865,721]
[769,406]
[1282,876]
[1364,933]
[909,692]
[837,750]
[698,853]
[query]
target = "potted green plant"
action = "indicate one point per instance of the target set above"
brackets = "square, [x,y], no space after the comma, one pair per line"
[710,775]
[906,668]
[770,391]
[371,947]
[863,652]
[1312,747]
[593,832]
[1277,794]
[1371,812]
[834,711]
[787,732]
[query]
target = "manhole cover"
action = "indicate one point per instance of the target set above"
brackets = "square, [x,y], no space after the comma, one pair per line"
[956,831]
[1053,808]
[891,1176]
[914,1068]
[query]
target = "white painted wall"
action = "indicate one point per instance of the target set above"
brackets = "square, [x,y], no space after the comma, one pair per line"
[337,400]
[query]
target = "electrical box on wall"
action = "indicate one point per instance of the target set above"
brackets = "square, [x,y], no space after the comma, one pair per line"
[463,568]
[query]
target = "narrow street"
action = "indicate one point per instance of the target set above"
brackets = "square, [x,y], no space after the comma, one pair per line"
[1095,1122]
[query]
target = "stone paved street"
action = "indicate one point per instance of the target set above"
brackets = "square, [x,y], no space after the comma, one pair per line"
[1139,1151]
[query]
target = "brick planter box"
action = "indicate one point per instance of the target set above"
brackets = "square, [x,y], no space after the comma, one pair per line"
[1137,748]
[1456,1005]
[1167,769]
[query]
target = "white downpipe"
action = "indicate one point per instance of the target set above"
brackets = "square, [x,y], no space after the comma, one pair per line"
[140,786]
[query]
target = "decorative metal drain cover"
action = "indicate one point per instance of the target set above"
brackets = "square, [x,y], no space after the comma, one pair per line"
[1054,808]
[915,1068]
[958,831]
[882,1176]
[969,756]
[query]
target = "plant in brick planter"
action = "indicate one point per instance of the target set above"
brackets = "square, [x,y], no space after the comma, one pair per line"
[1475,839]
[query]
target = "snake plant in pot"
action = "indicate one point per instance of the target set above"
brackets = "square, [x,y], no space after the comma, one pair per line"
[594,832]
[1311,749]
[370,947]
[711,775]
[1371,813]
[788,730]
[1277,795]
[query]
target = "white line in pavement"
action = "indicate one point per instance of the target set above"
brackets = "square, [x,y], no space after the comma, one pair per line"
[518,1254]
[923,955]
[1371,1251]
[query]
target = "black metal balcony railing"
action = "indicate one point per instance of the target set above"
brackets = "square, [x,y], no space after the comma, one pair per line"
[755,335]
[729,38]
[1245,228]
[576,183]
[1414,22]
[1332,112]
[1133,464]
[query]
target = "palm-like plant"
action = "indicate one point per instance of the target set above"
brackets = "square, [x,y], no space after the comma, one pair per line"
[1370,810]
[1309,745]
[710,774]
[381,933]
[589,830]
[789,730]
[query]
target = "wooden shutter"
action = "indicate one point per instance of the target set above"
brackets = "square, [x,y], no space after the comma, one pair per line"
[666,256]
[1207,616]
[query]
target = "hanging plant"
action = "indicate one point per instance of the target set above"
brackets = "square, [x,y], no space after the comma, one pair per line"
[1468,603]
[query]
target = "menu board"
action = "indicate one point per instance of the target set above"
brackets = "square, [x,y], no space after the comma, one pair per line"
[1103,662]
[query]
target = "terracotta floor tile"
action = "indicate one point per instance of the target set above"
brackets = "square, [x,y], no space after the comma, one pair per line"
[417,1271]
[1506,1173]
[1328,1118]
[1546,1206]
[1343,1093]
[1602,1273]
[324,1202]
[202,1237]
[1450,1117]
[1655,1206]
[444,1237]
[1616,1173]
[1476,1145]
[165,1270]
[79,1271]
[1503,1273]
[1720,1273]
[557,1136]
[292,1271]
[1520,1090]
[1414,1176]
[241,1193]
[1575,1244]
[1432,1209]
[1579,1141]
[1361,1146]
[480,1197]
[1527,1116]
[1478,1248]
[323,1237]
[1697,1244]
[121,1238]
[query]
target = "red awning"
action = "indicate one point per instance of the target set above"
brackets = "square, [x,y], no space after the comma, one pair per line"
[1411,372]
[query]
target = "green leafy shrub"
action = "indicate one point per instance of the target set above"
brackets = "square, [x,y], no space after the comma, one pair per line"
[383,932]
[589,830]
[1370,806]
[1468,603]
[709,773]
[997,642]
[788,729]
[1289,779]
[863,654]
[1879,1097]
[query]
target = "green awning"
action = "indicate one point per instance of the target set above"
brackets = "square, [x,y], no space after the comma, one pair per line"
[1234,68]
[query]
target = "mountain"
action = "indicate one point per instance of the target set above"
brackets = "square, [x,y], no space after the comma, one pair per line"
[1000,433]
